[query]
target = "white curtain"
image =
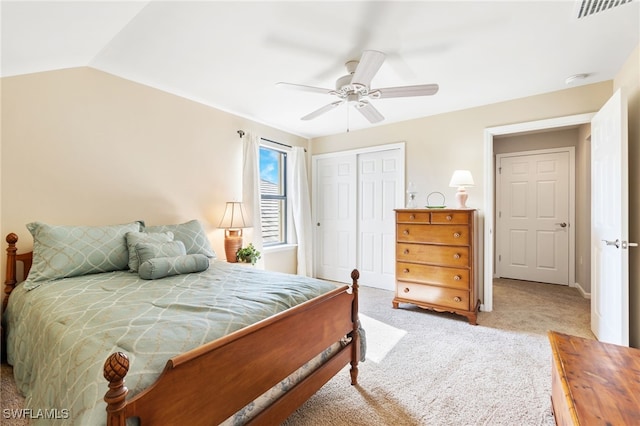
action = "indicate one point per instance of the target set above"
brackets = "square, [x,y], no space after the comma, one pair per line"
[301,210]
[251,190]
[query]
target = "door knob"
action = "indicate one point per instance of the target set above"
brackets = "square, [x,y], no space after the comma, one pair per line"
[562,224]
[612,243]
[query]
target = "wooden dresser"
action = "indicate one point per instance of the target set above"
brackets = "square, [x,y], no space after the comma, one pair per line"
[436,260]
[594,383]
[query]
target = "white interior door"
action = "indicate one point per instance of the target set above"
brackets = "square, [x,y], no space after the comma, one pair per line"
[610,223]
[336,217]
[380,180]
[533,218]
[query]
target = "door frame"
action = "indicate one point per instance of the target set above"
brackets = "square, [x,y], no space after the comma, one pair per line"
[358,151]
[572,199]
[489,185]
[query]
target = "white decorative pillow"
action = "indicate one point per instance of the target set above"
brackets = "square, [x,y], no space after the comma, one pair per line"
[161,267]
[61,251]
[134,238]
[191,233]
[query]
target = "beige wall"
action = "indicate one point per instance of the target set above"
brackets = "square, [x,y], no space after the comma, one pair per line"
[80,146]
[629,80]
[437,145]
[534,141]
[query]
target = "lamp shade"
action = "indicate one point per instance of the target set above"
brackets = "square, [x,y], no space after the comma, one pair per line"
[234,216]
[461,178]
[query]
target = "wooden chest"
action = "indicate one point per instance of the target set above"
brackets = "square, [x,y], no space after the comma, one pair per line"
[436,260]
[594,383]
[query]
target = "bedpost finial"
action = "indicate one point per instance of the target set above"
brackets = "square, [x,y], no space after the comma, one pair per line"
[355,275]
[12,238]
[116,367]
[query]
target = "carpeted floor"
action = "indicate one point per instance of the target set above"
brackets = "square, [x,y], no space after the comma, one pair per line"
[427,368]
[445,372]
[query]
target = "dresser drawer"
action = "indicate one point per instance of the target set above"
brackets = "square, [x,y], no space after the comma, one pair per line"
[448,277]
[433,295]
[450,217]
[437,255]
[436,234]
[413,217]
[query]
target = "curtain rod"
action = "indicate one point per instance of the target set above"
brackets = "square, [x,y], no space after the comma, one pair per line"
[241,133]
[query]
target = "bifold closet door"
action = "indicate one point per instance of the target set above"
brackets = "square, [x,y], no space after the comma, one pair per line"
[354,201]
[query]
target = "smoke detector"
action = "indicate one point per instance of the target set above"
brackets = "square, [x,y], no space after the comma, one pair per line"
[575,77]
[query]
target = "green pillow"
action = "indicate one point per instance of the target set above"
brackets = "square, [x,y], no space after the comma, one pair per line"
[134,238]
[61,251]
[149,250]
[161,267]
[191,233]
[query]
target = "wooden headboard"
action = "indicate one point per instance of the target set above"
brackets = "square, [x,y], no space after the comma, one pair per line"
[12,259]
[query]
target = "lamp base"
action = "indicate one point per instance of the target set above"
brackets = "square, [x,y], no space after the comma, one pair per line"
[232,243]
[461,197]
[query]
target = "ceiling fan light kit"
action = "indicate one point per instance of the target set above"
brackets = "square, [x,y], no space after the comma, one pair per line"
[354,88]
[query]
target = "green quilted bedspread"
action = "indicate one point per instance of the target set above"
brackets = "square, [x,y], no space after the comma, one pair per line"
[60,334]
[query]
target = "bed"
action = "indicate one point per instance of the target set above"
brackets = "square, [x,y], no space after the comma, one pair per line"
[173,348]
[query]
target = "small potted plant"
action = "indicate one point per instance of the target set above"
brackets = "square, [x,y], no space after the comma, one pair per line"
[248,254]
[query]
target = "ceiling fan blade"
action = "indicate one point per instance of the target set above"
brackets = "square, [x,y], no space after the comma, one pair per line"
[369,112]
[304,88]
[322,110]
[370,63]
[405,91]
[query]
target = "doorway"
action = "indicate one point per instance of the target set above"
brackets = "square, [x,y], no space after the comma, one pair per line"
[535,213]
[489,187]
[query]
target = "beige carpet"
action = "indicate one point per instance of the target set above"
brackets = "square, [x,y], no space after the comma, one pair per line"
[446,372]
[427,368]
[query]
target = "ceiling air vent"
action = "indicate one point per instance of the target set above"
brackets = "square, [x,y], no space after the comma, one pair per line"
[591,7]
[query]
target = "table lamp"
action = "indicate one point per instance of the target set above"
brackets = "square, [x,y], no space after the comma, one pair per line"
[461,179]
[233,221]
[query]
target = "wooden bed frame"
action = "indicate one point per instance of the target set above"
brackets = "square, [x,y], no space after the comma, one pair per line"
[210,383]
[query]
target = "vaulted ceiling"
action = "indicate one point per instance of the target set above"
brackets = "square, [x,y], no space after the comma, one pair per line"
[230,55]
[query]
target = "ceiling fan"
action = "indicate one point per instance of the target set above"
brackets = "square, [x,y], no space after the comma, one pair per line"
[353,88]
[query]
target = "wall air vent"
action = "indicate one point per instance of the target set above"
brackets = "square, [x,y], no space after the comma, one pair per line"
[591,7]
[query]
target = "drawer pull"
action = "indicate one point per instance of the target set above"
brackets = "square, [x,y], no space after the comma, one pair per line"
[449,217]
[406,290]
[413,216]
[457,299]
[456,235]
[405,232]
[457,277]
[406,251]
[406,270]
[456,256]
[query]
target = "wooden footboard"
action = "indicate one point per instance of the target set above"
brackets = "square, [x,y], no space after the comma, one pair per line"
[208,384]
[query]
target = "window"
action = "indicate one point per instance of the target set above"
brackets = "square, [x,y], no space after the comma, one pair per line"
[273,194]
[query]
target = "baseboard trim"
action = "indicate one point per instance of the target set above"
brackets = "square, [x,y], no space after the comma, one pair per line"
[581,290]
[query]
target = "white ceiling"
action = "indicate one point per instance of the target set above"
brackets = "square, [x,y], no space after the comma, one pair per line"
[230,54]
